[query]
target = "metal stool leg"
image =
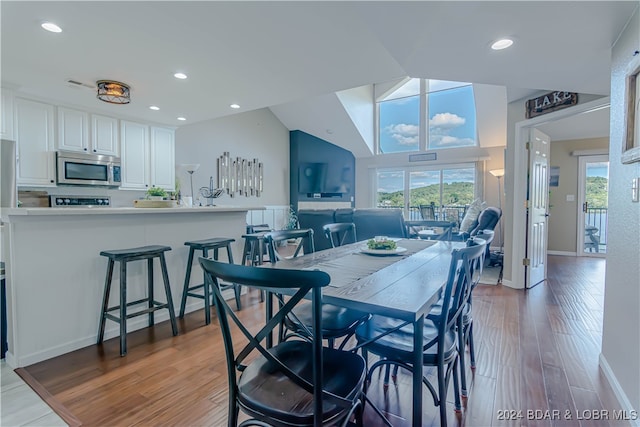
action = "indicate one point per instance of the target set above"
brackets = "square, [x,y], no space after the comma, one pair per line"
[105,300]
[123,308]
[167,288]
[150,290]
[207,289]
[187,279]
[236,287]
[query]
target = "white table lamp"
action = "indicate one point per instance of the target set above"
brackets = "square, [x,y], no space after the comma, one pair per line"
[190,168]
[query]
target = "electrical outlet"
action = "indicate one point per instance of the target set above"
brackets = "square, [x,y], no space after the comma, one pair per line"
[635,190]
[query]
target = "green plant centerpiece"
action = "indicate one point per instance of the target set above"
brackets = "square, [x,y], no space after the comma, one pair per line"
[382,244]
[155,192]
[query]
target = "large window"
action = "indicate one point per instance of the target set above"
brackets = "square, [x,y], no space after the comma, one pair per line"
[399,119]
[446,110]
[448,190]
[390,189]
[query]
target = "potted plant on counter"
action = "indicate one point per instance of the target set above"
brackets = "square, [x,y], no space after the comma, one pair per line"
[290,220]
[156,193]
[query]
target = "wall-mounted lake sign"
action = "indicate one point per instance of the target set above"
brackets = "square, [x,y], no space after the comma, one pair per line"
[549,102]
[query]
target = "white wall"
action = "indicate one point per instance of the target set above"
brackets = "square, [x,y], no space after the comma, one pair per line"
[621,328]
[254,134]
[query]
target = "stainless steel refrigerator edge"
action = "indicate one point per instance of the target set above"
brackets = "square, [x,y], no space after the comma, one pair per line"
[8,188]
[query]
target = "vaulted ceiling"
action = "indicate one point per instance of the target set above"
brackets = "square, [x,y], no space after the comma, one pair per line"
[269,54]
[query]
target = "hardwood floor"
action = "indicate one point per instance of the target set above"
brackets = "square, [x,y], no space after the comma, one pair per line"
[535,350]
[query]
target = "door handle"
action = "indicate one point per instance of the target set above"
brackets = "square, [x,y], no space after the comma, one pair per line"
[585,206]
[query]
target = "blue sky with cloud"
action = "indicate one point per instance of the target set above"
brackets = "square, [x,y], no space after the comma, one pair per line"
[452,121]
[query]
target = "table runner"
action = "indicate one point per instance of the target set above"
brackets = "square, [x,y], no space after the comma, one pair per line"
[353,267]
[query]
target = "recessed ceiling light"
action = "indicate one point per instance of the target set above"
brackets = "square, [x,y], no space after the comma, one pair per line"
[234,106]
[154,108]
[501,44]
[181,76]
[50,26]
[182,119]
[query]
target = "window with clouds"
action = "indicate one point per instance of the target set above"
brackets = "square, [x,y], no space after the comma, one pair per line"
[449,116]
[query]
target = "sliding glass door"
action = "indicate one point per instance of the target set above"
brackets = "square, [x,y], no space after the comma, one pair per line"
[440,193]
[593,194]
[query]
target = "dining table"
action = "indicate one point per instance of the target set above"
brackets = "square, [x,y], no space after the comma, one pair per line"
[403,283]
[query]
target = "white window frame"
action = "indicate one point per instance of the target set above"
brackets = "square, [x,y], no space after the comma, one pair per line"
[423,124]
[477,184]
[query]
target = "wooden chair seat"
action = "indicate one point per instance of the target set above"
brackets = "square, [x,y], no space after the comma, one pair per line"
[294,383]
[269,392]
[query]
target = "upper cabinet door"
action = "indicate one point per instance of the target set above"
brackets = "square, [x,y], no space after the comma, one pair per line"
[134,140]
[34,141]
[73,130]
[104,135]
[163,158]
[6,126]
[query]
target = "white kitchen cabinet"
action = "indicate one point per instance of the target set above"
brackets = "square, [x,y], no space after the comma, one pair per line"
[74,135]
[73,130]
[104,135]
[34,134]
[6,126]
[134,144]
[163,171]
[148,156]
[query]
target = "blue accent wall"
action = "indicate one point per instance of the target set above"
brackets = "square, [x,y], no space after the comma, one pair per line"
[320,171]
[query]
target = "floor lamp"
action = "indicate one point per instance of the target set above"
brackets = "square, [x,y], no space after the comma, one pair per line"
[499,173]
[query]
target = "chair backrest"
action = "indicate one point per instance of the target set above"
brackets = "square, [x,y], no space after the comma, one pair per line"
[257,228]
[340,233]
[304,242]
[315,219]
[301,282]
[445,228]
[428,212]
[464,273]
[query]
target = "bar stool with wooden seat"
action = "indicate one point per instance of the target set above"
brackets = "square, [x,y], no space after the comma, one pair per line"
[205,246]
[123,256]
[254,248]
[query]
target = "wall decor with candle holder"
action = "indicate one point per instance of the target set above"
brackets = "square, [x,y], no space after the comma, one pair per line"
[244,177]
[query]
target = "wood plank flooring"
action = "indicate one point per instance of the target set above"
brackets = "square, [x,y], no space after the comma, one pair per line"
[535,350]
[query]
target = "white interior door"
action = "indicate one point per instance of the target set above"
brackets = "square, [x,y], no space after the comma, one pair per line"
[593,190]
[537,208]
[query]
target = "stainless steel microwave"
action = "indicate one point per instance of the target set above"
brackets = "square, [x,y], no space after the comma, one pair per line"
[87,169]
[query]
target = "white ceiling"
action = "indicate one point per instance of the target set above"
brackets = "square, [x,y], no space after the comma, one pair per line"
[592,124]
[263,54]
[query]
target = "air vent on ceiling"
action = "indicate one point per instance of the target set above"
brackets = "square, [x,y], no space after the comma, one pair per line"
[423,157]
[73,83]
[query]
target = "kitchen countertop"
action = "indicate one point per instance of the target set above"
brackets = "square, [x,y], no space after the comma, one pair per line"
[120,211]
[66,243]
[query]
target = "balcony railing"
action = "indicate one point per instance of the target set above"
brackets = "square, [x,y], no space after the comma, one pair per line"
[442,213]
[597,217]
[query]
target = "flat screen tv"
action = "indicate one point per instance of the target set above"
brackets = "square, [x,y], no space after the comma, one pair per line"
[312,177]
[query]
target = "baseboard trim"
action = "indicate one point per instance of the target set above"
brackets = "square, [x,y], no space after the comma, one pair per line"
[510,284]
[562,253]
[623,400]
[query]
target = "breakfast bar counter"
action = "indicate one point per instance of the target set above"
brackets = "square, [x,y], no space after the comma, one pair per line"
[55,274]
